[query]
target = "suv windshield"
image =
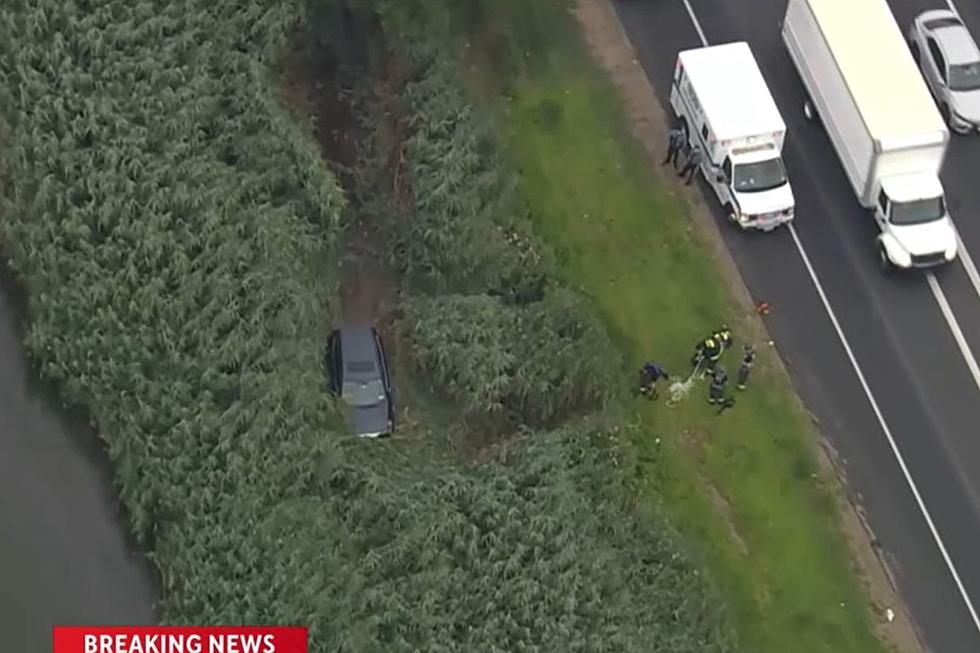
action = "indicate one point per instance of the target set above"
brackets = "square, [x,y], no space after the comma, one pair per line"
[362,394]
[964,77]
[917,211]
[759,176]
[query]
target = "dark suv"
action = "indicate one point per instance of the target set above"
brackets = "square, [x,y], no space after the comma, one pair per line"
[358,371]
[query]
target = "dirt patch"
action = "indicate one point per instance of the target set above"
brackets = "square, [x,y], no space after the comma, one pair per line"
[611,47]
[319,84]
[369,290]
[724,510]
[694,441]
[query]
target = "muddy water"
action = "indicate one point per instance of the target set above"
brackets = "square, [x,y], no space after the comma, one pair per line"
[63,553]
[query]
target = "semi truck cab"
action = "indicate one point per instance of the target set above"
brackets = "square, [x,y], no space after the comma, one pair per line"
[916,230]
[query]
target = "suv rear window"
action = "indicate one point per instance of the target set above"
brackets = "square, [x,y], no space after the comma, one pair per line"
[359,367]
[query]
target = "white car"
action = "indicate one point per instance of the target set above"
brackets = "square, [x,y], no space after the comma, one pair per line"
[950,63]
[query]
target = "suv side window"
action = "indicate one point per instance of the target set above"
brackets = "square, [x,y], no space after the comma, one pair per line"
[883,203]
[382,356]
[937,57]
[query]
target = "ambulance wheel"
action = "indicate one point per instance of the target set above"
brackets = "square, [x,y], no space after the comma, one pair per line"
[730,214]
[808,110]
[883,261]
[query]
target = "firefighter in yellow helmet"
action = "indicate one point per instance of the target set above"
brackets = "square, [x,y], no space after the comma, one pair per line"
[724,337]
[706,354]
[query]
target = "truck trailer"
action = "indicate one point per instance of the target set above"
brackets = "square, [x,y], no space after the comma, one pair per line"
[864,87]
[723,104]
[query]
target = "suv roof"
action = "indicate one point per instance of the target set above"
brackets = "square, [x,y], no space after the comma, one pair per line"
[359,353]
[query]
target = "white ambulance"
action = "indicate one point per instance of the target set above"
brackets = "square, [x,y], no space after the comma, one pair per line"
[724,105]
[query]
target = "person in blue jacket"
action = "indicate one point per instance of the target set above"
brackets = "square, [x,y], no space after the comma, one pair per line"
[650,373]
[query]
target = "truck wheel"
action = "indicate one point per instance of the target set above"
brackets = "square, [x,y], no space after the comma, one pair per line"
[730,214]
[883,261]
[808,110]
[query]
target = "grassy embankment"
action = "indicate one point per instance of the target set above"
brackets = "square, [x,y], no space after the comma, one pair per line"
[772,537]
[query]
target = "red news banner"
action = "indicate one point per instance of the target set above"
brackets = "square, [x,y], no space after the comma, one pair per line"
[167,639]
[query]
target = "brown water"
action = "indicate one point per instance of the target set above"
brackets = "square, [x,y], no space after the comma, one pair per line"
[64,557]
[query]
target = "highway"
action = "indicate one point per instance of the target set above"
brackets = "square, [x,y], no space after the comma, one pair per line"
[887,363]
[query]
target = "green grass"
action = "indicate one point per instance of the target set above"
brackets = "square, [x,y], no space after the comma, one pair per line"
[622,237]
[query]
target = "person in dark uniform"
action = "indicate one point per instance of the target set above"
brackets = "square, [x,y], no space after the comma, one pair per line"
[691,165]
[748,358]
[650,373]
[702,349]
[706,353]
[675,142]
[724,337]
[712,353]
[716,391]
[726,403]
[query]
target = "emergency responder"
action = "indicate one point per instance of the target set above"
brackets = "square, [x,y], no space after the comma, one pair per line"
[650,373]
[675,141]
[725,404]
[691,165]
[706,353]
[748,358]
[716,391]
[698,356]
[724,337]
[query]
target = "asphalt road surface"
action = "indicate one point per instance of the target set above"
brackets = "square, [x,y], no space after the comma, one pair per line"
[909,420]
[63,555]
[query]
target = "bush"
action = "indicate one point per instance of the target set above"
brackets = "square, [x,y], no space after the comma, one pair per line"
[166,215]
[466,342]
[566,361]
[540,361]
[468,232]
[542,553]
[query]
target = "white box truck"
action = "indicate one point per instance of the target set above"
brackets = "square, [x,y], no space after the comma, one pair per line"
[724,105]
[863,85]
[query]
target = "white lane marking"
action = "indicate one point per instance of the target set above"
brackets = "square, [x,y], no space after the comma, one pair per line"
[954,327]
[967,261]
[952,7]
[884,427]
[697,23]
[870,395]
